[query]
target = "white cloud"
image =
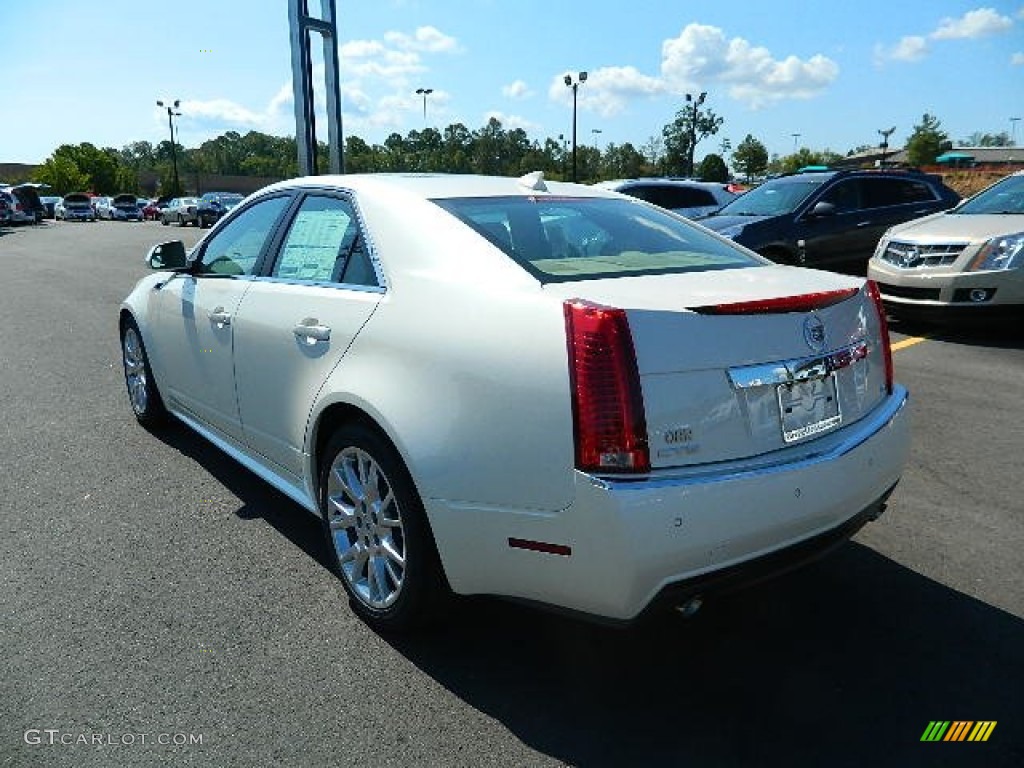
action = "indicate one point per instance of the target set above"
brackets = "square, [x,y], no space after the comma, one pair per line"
[1017,59]
[701,56]
[425,39]
[221,111]
[607,91]
[973,24]
[909,48]
[517,90]
[508,122]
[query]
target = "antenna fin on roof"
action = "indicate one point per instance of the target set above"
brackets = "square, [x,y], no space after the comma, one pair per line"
[534,180]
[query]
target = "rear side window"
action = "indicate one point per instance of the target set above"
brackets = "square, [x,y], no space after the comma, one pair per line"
[563,239]
[324,244]
[673,196]
[882,192]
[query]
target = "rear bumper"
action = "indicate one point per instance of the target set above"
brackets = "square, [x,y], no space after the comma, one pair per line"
[625,546]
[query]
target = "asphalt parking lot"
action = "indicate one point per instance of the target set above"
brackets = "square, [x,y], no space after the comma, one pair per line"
[154,591]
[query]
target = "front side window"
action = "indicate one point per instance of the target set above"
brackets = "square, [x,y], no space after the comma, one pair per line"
[845,196]
[235,249]
[325,244]
[562,239]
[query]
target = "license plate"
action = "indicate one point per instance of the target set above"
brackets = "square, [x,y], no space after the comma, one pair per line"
[809,407]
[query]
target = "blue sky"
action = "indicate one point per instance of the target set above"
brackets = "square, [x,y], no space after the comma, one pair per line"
[834,73]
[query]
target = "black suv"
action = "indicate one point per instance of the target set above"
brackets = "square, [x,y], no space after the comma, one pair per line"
[829,218]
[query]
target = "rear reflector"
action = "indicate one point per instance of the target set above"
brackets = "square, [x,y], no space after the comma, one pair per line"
[540,546]
[883,331]
[607,404]
[806,302]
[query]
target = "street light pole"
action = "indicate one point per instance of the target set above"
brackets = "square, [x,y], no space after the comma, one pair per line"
[796,139]
[693,129]
[574,84]
[885,143]
[174,153]
[424,92]
[1013,130]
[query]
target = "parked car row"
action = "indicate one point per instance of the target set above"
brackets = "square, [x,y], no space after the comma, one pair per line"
[202,211]
[23,205]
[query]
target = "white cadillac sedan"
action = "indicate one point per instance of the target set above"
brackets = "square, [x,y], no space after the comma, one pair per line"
[544,391]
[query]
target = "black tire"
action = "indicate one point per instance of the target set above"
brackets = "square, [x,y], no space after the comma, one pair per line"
[164,221]
[414,591]
[143,395]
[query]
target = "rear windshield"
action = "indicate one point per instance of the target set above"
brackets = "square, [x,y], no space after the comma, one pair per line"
[563,239]
[773,198]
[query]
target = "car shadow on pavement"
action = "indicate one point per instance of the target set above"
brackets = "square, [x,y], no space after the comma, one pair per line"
[260,501]
[844,662]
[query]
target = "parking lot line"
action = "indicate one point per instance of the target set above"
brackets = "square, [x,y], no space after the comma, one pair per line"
[908,342]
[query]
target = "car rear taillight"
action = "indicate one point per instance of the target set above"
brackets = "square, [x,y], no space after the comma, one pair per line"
[883,331]
[607,404]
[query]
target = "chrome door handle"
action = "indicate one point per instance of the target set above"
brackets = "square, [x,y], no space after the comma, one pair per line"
[220,317]
[311,331]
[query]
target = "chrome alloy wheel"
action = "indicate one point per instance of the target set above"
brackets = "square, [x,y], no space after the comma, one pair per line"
[366,528]
[135,370]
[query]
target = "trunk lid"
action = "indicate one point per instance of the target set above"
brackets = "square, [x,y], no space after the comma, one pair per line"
[725,378]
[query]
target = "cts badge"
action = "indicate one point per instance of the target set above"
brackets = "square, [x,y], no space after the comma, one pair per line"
[814,333]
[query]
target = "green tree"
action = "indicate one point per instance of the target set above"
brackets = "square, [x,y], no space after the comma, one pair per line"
[802,158]
[684,133]
[979,139]
[99,165]
[927,141]
[623,161]
[713,168]
[750,157]
[62,174]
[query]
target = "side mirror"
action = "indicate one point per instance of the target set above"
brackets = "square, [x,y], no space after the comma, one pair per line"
[170,255]
[823,209]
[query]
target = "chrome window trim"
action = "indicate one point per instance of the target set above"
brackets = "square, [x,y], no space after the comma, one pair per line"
[319,284]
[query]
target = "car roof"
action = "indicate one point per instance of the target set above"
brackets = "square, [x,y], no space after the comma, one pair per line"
[648,181]
[440,185]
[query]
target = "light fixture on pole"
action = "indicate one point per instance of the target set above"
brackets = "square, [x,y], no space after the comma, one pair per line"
[796,140]
[581,77]
[693,129]
[1013,131]
[171,114]
[424,92]
[884,146]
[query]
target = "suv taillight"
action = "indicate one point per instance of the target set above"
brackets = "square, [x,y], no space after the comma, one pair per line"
[607,404]
[883,331]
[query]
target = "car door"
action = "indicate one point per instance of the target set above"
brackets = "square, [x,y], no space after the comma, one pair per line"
[295,325]
[194,333]
[844,233]
[893,200]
